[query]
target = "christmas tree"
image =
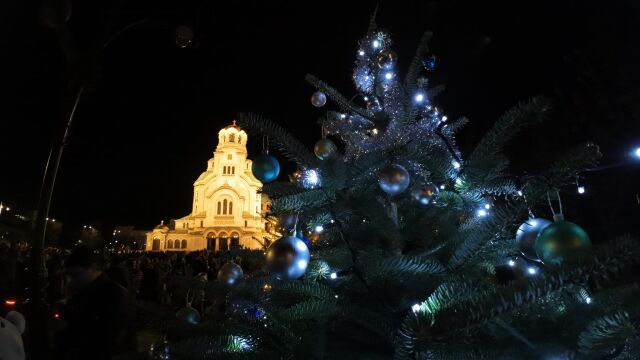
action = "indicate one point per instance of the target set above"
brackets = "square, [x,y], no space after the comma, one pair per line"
[416,251]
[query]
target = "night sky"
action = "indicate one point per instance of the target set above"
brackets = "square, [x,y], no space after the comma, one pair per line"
[148,124]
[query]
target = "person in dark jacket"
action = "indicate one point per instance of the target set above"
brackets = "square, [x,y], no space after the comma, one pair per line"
[96,315]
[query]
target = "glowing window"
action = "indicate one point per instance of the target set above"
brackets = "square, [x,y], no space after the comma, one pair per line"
[170,244]
[230,207]
[232,138]
[184,244]
[177,244]
[229,156]
[224,206]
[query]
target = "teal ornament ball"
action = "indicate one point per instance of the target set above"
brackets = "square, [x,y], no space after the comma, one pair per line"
[528,233]
[561,240]
[189,315]
[265,168]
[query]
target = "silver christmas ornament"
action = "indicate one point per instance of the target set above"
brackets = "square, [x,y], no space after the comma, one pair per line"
[318,99]
[386,59]
[527,233]
[325,149]
[230,274]
[393,179]
[288,257]
[189,315]
[425,194]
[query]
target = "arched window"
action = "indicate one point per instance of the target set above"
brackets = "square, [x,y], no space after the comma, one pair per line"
[170,244]
[184,244]
[177,244]
[224,170]
[219,207]
[233,169]
[232,138]
[230,207]
[224,206]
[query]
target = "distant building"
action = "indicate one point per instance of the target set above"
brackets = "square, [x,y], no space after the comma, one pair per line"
[227,208]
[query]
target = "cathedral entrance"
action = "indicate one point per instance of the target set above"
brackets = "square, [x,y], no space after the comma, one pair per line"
[224,243]
[156,245]
[211,241]
[235,241]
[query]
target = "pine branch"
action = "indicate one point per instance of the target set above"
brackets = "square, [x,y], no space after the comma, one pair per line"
[342,102]
[606,333]
[290,147]
[416,62]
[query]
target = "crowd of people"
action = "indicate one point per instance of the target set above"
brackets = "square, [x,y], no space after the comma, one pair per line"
[94,297]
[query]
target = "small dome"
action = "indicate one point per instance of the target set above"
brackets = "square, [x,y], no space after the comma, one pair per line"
[232,126]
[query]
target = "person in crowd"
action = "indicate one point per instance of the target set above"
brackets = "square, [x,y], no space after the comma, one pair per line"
[95,318]
[150,283]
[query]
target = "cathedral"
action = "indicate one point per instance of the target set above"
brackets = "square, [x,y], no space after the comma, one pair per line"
[227,209]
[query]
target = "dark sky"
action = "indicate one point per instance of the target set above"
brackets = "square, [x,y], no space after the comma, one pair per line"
[144,131]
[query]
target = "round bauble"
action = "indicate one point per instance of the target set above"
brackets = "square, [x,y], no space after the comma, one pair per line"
[288,258]
[429,62]
[318,99]
[386,59]
[265,168]
[561,240]
[184,36]
[526,236]
[393,179]
[325,149]
[188,315]
[425,194]
[230,274]
[160,351]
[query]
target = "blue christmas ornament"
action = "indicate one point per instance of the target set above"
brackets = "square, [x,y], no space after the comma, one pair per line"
[393,179]
[265,168]
[300,235]
[429,62]
[288,258]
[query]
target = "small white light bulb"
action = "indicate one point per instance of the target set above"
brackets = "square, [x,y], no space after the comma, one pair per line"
[588,300]
[532,270]
[581,190]
[415,307]
[441,187]
[376,44]
[456,165]
[458,181]
[444,118]
[512,263]
[361,52]
[487,206]
[319,228]
[482,212]
[388,76]
[520,193]
[419,97]
[333,276]
[637,152]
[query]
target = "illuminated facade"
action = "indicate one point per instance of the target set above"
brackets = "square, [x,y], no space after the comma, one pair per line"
[227,208]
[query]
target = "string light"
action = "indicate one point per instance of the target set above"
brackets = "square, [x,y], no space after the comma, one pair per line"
[415,307]
[333,276]
[444,118]
[458,181]
[319,228]
[487,206]
[388,75]
[456,164]
[588,300]
[581,190]
[361,52]
[419,97]
[519,193]
[441,187]
[636,152]
[482,212]
[512,263]
[532,270]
